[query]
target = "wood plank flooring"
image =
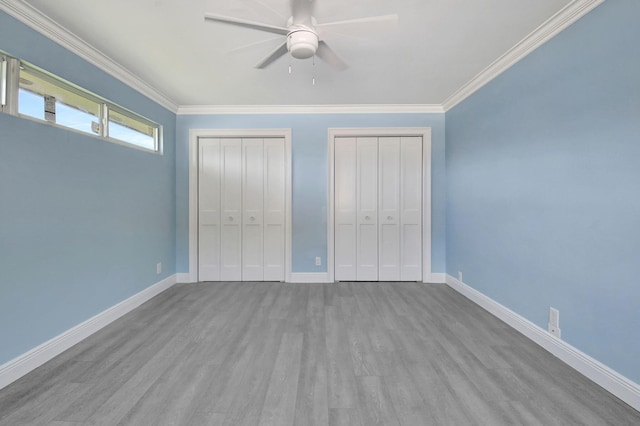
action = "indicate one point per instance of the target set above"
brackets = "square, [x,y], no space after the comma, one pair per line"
[308,354]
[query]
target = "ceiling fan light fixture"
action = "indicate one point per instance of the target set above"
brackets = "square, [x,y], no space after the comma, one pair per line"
[302,44]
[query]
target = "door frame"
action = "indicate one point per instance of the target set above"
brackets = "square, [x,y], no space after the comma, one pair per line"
[425,133]
[194,135]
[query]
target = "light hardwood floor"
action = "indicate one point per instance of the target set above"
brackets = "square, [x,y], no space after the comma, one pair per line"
[308,354]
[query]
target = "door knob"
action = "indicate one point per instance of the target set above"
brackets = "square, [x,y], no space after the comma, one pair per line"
[389,217]
[230,218]
[367,218]
[252,218]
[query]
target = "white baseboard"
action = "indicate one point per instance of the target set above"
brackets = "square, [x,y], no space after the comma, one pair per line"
[183,278]
[23,364]
[625,389]
[436,278]
[309,277]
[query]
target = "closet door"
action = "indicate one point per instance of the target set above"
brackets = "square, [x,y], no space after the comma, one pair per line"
[209,210]
[274,209]
[252,201]
[389,209]
[367,209]
[411,209]
[345,209]
[378,208]
[231,208]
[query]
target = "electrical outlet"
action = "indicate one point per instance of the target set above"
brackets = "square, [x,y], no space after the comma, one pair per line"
[554,322]
[318,261]
[555,331]
[460,276]
[554,317]
[159,268]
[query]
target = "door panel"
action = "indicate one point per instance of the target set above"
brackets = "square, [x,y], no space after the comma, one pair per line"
[252,201]
[345,209]
[209,210]
[242,209]
[274,209]
[389,193]
[378,208]
[231,206]
[411,199]
[367,196]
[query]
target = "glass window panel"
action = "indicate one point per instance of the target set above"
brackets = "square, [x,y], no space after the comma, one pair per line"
[30,103]
[72,109]
[132,130]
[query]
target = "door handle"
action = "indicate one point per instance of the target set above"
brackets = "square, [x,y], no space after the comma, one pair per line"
[252,218]
[230,218]
[367,218]
[389,217]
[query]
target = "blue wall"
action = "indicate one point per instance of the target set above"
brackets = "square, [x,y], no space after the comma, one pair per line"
[309,176]
[83,221]
[543,184]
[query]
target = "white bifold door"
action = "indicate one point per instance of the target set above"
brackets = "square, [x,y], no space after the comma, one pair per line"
[241,209]
[378,208]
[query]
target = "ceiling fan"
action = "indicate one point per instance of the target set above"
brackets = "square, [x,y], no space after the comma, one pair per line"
[305,36]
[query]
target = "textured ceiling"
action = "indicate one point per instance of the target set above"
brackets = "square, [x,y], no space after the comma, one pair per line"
[438,46]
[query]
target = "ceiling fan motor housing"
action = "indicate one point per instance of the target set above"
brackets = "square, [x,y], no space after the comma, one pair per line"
[302,44]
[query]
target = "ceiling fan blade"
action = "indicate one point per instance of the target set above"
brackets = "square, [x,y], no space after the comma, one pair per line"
[360,26]
[327,54]
[253,45]
[301,11]
[280,51]
[244,23]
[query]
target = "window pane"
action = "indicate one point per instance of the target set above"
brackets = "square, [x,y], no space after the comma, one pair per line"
[132,130]
[47,99]
[31,104]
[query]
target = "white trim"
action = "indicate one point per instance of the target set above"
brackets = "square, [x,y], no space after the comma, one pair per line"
[46,26]
[612,381]
[310,109]
[437,278]
[549,29]
[23,364]
[183,278]
[425,133]
[309,277]
[194,134]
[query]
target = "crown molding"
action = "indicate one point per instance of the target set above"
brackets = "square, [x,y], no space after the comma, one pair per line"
[310,109]
[46,26]
[552,26]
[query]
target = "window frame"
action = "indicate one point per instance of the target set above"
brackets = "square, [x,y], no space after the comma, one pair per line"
[10,69]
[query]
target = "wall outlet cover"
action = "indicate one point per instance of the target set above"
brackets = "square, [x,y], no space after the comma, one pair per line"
[554,317]
[555,331]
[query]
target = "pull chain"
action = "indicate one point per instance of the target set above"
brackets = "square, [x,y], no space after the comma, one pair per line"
[313,78]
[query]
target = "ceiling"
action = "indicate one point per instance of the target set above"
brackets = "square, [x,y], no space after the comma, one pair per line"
[438,46]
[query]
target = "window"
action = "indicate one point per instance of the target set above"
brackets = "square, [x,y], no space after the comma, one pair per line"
[3,82]
[43,96]
[127,127]
[46,98]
